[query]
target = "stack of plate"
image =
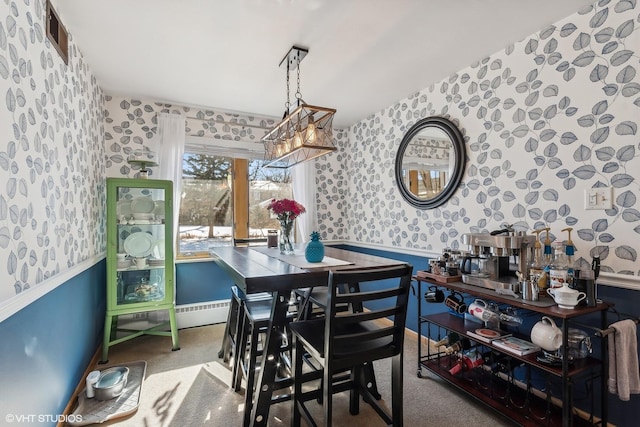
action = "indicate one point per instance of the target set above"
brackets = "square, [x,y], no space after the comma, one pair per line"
[124,263]
[155,262]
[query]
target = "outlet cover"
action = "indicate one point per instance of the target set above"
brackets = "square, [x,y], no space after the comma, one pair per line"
[600,198]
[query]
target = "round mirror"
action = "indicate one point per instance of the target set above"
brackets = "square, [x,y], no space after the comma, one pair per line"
[430,162]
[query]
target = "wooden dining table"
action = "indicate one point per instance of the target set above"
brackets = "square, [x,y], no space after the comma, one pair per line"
[262,269]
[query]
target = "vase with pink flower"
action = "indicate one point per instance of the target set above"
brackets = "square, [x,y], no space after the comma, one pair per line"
[286,211]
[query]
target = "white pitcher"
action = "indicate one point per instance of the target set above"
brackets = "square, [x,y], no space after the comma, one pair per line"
[546,334]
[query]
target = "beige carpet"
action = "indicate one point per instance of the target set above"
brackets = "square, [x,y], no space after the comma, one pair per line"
[190,388]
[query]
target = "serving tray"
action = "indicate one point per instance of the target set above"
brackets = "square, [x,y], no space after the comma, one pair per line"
[438,277]
[94,411]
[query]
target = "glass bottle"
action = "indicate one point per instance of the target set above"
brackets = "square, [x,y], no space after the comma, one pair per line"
[462,344]
[451,338]
[537,274]
[573,268]
[547,256]
[559,267]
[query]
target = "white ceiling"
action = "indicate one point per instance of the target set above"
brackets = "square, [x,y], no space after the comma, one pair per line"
[364,55]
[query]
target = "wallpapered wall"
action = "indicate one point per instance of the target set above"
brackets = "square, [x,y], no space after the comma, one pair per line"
[52,172]
[543,120]
[131,124]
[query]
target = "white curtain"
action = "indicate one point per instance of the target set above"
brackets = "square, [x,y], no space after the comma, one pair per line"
[304,192]
[171,137]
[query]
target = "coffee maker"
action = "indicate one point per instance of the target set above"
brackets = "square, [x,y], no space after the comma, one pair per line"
[498,256]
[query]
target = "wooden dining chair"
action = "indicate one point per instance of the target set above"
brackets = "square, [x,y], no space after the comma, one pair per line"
[311,302]
[236,307]
[348,341]
[253,322]
[249,349]
[234,316]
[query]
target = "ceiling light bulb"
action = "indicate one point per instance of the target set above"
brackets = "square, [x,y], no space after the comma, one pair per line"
[297,138]
[311,131]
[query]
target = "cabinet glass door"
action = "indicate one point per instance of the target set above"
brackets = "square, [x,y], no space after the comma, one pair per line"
[140,256]
[140,243]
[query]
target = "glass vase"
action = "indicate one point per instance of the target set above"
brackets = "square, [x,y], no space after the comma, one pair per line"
[286,242]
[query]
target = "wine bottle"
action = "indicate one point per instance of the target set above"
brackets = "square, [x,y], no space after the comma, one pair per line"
[448,340]
[462,344]
[467,361]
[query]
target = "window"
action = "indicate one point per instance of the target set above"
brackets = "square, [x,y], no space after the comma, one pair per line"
[225,197]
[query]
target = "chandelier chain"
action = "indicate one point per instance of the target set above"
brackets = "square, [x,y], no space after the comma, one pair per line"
[298,93]
[287,105]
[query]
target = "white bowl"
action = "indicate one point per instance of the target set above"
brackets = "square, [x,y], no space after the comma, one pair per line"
[111,383]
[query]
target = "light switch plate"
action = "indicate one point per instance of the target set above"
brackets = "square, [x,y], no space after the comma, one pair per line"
[598,198]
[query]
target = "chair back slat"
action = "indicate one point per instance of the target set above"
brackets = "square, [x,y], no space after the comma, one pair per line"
[366,335]
[365,316]
[363,296]
[377,331]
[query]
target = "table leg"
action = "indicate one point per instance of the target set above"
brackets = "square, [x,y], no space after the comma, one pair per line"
[266,379]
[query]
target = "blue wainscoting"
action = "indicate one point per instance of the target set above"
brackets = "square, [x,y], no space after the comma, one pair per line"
[47,346]
[201,282]
[627,303]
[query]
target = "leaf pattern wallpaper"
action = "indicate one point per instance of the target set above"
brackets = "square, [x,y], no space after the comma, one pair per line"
[131,124]
[52,196]
[543,120]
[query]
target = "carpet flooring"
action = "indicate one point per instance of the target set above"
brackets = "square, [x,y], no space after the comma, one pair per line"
[190,387]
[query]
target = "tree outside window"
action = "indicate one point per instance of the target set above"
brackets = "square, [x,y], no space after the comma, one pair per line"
[207,211]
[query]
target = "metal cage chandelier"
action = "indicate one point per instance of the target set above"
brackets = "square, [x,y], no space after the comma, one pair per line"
[304,133]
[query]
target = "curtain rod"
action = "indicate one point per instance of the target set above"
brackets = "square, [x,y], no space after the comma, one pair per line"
[224,122]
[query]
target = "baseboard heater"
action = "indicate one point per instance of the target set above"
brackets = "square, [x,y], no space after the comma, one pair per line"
[187,315]
[202,313]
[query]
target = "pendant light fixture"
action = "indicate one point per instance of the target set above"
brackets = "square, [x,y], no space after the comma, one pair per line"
[304,133]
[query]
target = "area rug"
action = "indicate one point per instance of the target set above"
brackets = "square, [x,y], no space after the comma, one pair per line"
[94,411]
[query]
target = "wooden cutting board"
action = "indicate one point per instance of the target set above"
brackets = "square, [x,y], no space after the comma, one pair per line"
[438,277]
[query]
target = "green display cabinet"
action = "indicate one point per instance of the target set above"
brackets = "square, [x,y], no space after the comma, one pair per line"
[140,260]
